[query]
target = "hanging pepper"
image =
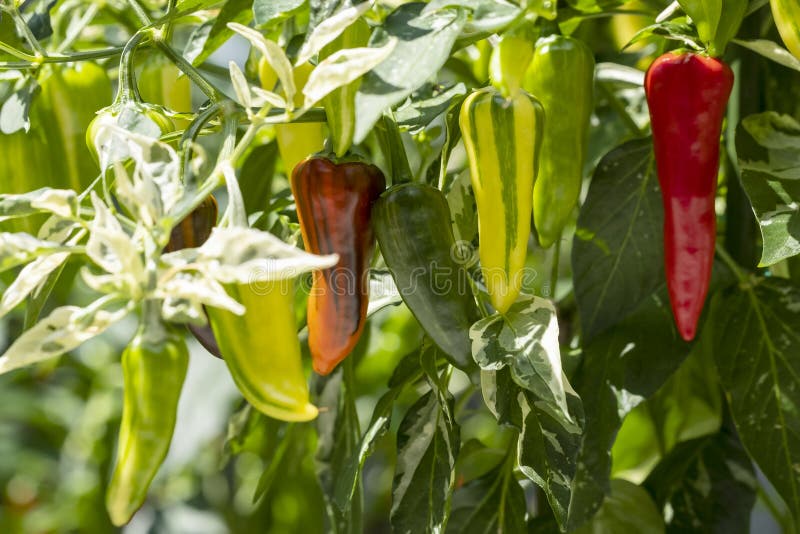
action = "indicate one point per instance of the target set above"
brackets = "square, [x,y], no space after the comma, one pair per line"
[334,205]
[69,98]
[161,82]
[128,111]
[787,18]
[296,141]
[502,137]
[508,62]
[340,105]
[196,228]
[561,76]
[262,350]
[192,232]
[23,169]
[413,227]
[687,94]
[154,367]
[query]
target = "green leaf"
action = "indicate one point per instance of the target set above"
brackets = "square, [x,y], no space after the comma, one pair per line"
[770,165]
[337,428]
[770,50]
[486,16]
[627,510]
[347,483]
[266,12]
[427,446]
[233,11]
[621,368]
[757,349]
[416,115]
[424,44]
[686,407]
[707,481]
[730,20]
[705,14]
[548,449]
[617,255]
[492,503]
[526,340]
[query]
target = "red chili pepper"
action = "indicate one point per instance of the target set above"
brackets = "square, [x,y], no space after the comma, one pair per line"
[334,206]
[687,94]
[192,232]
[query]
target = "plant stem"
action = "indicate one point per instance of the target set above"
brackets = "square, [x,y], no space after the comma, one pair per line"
[620,109]
[128,90]
[141,14]
[209,90]
[554,269]
[18,53]
[23,27]
[731,263]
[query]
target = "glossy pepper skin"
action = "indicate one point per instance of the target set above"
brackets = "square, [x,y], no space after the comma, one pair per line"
[334,206]
[154,367]
[23,169]
[561,76]
[192,232]
[787,18]
[415,233]
[262,350]
[161,82]
[502,138]
[296,141]
[687,94]
[69,98]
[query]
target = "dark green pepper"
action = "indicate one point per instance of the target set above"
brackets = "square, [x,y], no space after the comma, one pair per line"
[561,76]
[154,367]
[413,227]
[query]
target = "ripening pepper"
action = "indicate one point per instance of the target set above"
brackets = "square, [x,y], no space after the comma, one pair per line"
[413,227]
[69,98]
[502,137]
[161,82]
[687,94]
[340,105]
[23,169]
[787,18]
[561,76]
[192,232]
[154,367]
[296,141]
[508,62]
[262,350]
[334,206]
[127,111]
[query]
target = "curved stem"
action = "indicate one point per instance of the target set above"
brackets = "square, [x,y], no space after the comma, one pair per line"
[128,90]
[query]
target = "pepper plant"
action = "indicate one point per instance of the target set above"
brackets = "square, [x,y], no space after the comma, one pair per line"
[470,265]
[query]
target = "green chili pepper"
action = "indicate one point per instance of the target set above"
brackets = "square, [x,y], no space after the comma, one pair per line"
[502,139]
[413,227]
[154,367]
[561,76]
[262,350]
[68,101]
